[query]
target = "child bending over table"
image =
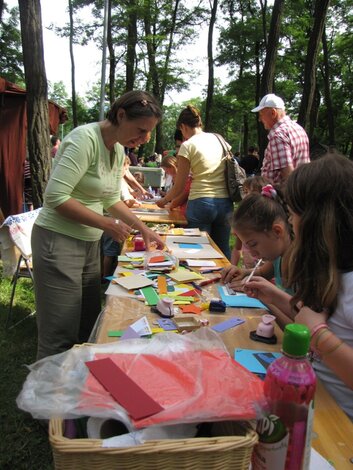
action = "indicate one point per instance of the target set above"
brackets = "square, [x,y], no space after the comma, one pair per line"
[261,223]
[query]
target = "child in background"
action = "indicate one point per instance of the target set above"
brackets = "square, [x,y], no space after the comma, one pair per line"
[139,177]
[253,184]
[126,190]
[261,223]
[169,165]
[320,199]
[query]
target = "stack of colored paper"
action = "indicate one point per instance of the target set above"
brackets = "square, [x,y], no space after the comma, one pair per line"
[161,263]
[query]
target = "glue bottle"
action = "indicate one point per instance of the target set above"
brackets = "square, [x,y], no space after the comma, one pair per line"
[289,386]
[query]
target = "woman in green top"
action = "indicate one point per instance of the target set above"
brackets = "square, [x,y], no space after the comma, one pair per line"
[85,180]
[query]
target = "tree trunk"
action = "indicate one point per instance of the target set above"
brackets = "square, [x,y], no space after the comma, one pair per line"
[245,146]
[268,73]
[131,45]
[210,87]
[37,97]
[73,85]
[327,92]
[320,12]
[112,58]
[153,72]
[314,113]
[169,50]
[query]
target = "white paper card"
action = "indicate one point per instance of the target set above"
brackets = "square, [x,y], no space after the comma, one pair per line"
[198,263]
[136,281]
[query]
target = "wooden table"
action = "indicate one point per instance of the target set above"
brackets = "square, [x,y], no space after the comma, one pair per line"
[174,216]
[333,430]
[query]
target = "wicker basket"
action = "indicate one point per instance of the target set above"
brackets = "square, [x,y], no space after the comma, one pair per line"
[212,453]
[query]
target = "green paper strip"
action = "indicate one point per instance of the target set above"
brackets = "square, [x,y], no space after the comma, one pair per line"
[115,333]
[150,295]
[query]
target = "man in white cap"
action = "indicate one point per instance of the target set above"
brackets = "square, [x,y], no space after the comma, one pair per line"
[288,143]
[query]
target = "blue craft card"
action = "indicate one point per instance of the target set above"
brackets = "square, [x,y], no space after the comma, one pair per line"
[239,300]
[225,325]
[254,360]
[190,246]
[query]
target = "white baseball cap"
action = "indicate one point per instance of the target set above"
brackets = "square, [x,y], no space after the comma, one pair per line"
[269,101]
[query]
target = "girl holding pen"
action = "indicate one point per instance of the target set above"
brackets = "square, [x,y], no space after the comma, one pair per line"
[261,223]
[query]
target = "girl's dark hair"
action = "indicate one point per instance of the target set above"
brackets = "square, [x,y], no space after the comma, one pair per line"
[258,213]
[189,116]
[321,193]
[136,104]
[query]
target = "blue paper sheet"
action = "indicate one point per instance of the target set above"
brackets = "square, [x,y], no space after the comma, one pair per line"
[190,246]
[255,361]
[239,300]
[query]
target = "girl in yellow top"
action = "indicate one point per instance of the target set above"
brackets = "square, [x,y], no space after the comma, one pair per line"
[209,204]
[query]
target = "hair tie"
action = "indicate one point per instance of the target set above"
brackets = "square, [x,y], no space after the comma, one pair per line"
[269,191]
[144,102]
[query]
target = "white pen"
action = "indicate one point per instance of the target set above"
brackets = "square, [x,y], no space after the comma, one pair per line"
[253,270]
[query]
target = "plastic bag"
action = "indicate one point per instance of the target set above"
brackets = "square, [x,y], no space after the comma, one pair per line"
[191,376]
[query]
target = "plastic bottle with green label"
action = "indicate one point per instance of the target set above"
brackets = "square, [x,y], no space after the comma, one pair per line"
[290,382]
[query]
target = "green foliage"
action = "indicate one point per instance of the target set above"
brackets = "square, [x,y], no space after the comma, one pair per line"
[11,61]
[241,47]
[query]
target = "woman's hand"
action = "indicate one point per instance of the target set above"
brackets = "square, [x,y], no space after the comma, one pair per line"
[231,274]
[152,238]
[161,202]
[117,229]
[173,204]
[310,318]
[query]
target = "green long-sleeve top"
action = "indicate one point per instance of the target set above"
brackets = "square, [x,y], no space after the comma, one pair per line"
[85,170]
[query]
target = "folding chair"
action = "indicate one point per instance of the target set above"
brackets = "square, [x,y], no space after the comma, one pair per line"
[19,229]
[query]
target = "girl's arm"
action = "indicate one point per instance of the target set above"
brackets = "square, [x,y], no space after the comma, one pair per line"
[233,274]
[334,352]
[180,182]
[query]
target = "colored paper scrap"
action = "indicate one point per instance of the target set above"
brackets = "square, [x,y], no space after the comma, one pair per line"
[122,258]
[135,254]
[157,259]
[183,275]
[226,325]
[141,326]
[130,333]
[115,333]
[190,309]
[167,324]
[192,293]
[123,389]
[162,285]
[136,281]
[150,295]
[198,263]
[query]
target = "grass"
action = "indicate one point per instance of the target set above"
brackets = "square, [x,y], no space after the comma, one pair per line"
[24,442]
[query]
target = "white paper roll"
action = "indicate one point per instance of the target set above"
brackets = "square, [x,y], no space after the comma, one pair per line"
[103,428]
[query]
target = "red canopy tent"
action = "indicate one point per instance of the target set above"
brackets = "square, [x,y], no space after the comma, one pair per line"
[13,135]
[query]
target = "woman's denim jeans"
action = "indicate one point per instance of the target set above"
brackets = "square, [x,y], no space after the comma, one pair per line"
[212,215]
